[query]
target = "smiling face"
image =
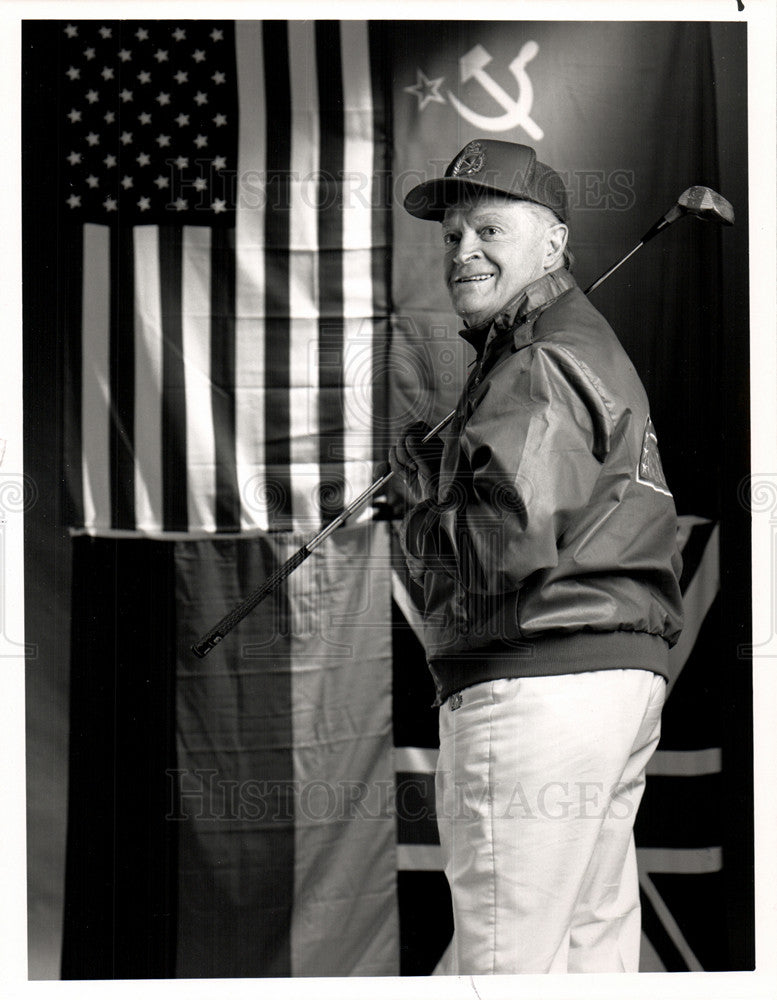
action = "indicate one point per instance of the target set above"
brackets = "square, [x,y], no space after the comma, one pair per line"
[494,248]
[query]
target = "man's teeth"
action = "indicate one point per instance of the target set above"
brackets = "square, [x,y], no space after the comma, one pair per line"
[476,277]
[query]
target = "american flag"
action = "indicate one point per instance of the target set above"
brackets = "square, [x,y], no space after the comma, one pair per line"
[225,252]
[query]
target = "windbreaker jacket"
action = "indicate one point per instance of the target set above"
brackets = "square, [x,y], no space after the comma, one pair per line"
[550,546]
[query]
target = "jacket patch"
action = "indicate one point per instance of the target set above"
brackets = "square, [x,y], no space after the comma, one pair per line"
[649,472]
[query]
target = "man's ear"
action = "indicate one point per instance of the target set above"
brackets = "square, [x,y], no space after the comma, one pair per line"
[555,242]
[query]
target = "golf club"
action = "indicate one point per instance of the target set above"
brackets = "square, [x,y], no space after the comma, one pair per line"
[700,202]
[697,201]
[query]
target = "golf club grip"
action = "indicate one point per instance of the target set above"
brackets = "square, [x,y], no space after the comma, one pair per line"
[214,636]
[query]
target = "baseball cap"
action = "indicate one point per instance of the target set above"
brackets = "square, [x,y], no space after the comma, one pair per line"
[507,168]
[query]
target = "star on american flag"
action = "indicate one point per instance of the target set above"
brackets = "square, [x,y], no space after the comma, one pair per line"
[117,169]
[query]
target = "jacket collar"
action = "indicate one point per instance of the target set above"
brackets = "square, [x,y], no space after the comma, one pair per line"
[528,304]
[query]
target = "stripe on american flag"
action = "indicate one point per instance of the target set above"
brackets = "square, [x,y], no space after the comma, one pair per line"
[303,387]
[95,400]
[195,319]
[149,366]
[250,328]
[222,376]
[173,397]
[360,396]
[330,267]
[122,378]
[277,262]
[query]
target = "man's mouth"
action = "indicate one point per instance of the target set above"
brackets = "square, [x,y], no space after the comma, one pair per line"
[466,278]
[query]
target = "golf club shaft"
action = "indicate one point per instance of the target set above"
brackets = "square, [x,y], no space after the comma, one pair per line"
[603,277]
[228,622]
[674,213]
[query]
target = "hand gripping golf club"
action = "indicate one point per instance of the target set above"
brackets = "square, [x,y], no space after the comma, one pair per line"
[700,202]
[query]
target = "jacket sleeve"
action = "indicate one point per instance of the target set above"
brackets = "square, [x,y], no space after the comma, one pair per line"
[530,455]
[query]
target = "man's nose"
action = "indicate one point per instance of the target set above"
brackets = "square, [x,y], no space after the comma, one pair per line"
[468,248]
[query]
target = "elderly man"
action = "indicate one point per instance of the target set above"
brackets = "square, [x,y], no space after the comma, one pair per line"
[544,536]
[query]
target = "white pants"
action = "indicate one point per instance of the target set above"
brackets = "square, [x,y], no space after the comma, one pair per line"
[538,784]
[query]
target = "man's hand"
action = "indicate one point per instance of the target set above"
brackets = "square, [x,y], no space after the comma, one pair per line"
[418,464]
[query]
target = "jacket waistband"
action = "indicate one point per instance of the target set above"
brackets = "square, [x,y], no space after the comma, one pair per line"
[578,652]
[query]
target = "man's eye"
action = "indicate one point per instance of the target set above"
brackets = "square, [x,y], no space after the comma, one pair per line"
[489,230]
[449,239]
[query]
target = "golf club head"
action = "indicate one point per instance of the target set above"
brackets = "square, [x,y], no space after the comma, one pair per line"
[704,203]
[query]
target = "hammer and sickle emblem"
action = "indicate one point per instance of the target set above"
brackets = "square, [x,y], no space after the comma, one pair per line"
[516,112]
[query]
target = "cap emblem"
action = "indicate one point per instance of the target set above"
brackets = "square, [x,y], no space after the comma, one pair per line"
[470,160]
